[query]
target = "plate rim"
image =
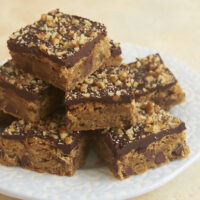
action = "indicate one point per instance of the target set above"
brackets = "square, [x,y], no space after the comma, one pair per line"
[15,194]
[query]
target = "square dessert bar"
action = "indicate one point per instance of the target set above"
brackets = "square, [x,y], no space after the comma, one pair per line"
[149,79]
[115,58]
[26,97]
[44,146]
[157,138]
[105,99]
[154,81]
[60,49]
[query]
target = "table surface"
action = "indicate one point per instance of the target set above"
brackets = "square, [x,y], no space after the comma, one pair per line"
[171,26]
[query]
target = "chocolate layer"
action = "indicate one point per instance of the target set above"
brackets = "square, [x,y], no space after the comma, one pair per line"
[22,84]
[68,62]
[109,84]
[140,78]
[157,89]
[66,148]
[122,148]
[103,99]
[23,93]
[63,38]
[51,129]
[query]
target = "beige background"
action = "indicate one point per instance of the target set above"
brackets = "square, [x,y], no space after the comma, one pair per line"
[170,26]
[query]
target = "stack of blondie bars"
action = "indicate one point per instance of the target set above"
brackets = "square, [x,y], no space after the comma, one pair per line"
[65,91]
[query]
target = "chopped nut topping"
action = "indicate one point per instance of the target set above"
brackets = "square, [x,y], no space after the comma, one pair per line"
[23,81]
[72,32]
[150,73]
[148,124]
[110,82]
[53,128]
[139,78]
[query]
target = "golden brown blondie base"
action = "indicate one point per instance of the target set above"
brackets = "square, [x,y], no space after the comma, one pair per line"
[97,115]
[43,147]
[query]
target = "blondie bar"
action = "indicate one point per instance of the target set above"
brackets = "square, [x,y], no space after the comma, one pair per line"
[105,99]
[26,97]
[60,49]
[101,100]
[154,81]
[44,146]
[157,138]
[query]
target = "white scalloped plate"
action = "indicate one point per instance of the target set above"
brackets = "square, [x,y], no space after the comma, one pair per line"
[96,182]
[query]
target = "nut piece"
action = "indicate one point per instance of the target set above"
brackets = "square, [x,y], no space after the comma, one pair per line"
[138,64]
[68,140]
[63,133]
[118,83]
[149,78]
[89,81]
[110,94]
[118,93]
[63,30]
[43,48]
[41,36]
[55,41]
[87,95]
[149,108]
[119,131]
[113,78]
[87,23]
[54,136]
[129,132]
[100,84]
[83,88]
[135,84]
[123,75]
[74,21]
